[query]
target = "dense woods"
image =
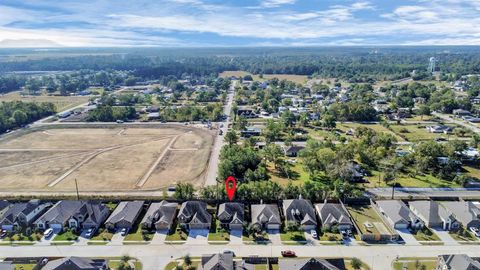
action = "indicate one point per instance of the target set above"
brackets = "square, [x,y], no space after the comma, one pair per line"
[16,113]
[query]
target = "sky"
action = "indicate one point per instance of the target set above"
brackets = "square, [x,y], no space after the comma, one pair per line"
[211,23]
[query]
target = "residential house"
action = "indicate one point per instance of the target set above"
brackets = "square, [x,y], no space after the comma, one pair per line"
[246,112]
[439,129]
[21,215]
[334,214]
[194,215]
[292,150]
[308,264]
[299,212]
[465,212]
[124,215]
[74,215]
[76,263]
[231,215]
[461,112]
[223,261]
[457,261]
[266,216]
[250,132]
[434,215]
[160,216]
[398,214]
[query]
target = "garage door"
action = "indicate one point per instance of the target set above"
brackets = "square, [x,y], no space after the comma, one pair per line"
[273,226]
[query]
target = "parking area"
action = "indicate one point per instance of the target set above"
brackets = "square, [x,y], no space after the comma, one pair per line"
[407,237]
[117,238]
[197,237]
[311,241]
[236,237]
[274,236]
[445,237]
[159,237]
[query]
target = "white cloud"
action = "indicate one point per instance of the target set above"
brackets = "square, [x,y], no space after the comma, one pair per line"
[276,3]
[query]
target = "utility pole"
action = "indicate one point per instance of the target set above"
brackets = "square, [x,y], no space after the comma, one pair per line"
[76,186]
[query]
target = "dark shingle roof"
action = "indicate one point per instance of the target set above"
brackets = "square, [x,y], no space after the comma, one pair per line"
[230,211]
[194,212]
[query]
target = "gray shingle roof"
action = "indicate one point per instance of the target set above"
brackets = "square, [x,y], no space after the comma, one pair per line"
[76,263]
[230,211]
[299,210]
[265,213]
[432,211]
[305,264]
[460,262]
[126,211]
[163,212]
[194,212]
[219,261]
[465,212]
[332,214]
[396,211]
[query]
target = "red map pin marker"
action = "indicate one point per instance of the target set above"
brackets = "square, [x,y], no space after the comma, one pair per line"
[230,188]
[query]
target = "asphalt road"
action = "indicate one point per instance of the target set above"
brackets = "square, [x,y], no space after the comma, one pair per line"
[424,192]
[155,257]
[212,169]
[462,123]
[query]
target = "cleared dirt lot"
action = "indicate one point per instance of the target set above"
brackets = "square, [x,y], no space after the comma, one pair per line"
[105,159]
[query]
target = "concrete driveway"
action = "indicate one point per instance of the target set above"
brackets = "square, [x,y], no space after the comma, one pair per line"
[274,236]
[117,238]
[445,237]
[159,237]
[407,236]
[197,237]
[310,240]
[236,237]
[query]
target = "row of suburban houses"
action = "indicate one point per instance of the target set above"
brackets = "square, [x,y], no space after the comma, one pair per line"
[81,215]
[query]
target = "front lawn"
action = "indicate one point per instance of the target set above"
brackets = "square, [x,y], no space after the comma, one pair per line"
[255,237]
[67,235]
[425,234]
[329,236]
[176,234]
[415,264]
[138,234]
[217,233]
[24,266]
[462,235]
[292,235]
[22,236]
[102,235]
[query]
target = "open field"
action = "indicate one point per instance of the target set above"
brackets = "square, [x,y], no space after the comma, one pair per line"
[61,102]
[302,79]
[104,159]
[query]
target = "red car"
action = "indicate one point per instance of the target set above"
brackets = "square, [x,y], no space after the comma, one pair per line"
[288,253]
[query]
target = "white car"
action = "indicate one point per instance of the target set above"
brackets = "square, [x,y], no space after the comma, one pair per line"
[475,231]
[48,232]
[314,234]
[124,232]
[90,232]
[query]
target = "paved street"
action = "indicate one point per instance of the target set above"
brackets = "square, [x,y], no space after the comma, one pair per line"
[219,141]
[462,123]
[157,256]
[424,192]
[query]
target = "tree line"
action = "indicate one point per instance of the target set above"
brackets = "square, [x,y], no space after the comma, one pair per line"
[16,114]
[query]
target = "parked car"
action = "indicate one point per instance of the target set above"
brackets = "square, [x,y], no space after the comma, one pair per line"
[475,231]
[90,233]
[288,253]
[124,232]
[48,232]
[314,234]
